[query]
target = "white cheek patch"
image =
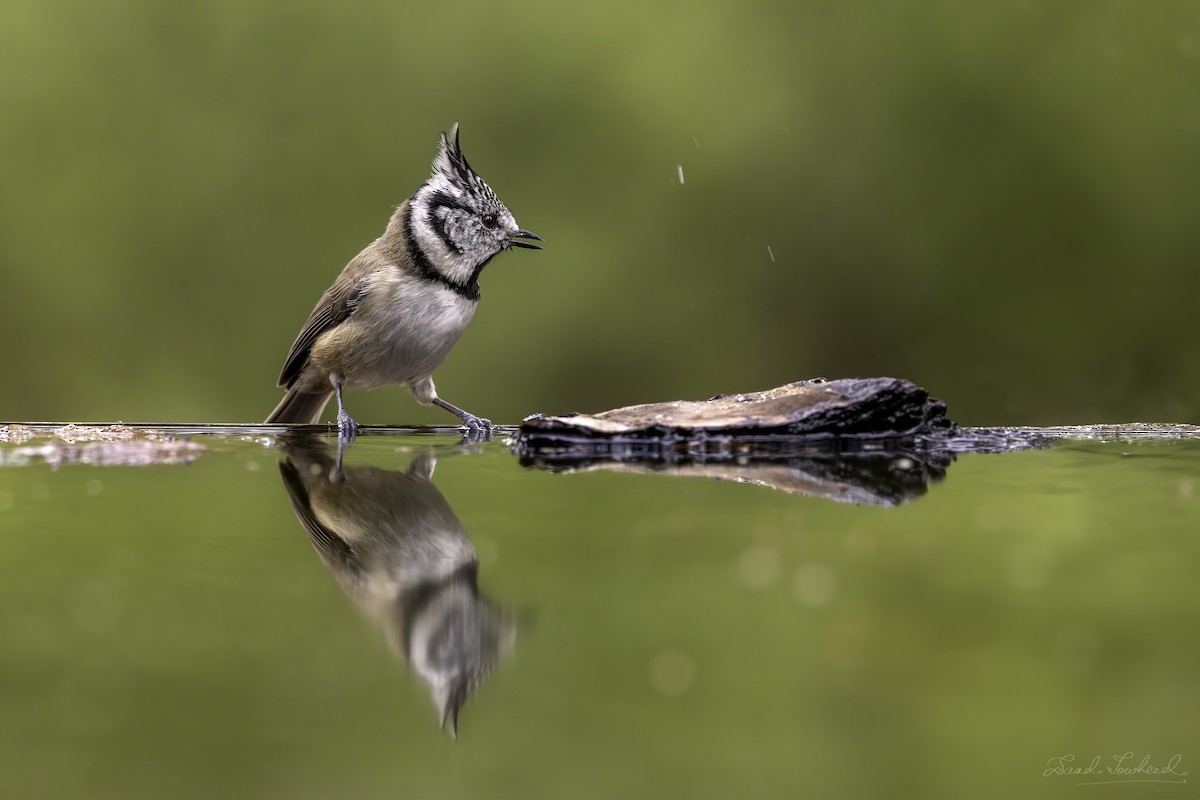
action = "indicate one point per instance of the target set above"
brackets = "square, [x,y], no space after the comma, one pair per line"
[450,263]
[427,239]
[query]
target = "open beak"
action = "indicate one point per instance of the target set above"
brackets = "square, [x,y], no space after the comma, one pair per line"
[523,234]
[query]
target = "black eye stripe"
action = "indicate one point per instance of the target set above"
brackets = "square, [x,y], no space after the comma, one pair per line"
[437,221]
[439,227]
[439,200]
[442,199]
[446,200]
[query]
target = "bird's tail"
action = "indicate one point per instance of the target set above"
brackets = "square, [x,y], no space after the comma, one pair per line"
[302,408]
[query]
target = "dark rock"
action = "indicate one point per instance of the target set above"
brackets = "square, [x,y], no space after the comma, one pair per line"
[869,407]
[873,440]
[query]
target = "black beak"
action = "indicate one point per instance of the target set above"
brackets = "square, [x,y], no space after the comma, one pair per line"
[522,234]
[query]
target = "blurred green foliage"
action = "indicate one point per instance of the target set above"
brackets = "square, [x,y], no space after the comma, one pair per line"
[993,199]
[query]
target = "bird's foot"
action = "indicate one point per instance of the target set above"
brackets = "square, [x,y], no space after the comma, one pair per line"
[347,427]
[476,429]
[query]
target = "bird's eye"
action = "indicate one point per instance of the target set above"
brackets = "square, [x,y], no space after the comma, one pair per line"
[489,221]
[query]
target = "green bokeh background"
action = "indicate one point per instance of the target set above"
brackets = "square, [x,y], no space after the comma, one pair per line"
[997,200]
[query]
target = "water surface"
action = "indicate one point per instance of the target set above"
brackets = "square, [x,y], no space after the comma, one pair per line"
[252,621]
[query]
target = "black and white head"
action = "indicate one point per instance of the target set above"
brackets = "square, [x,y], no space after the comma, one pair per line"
[458,221]
[455,638]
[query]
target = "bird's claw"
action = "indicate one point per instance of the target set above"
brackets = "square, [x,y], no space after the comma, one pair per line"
[347,427]
[476,429]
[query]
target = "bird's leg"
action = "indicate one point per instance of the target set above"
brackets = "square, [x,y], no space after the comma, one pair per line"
[347,428]
[336,475]
[477,427]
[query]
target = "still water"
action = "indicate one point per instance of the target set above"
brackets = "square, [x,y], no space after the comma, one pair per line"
[236,616]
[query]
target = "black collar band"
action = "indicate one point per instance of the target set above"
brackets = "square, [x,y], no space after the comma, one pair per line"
[423,268]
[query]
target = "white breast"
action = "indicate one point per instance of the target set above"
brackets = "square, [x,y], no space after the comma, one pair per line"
[403,329]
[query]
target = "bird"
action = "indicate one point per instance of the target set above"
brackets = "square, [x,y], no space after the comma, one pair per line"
[395,311]
[397,549]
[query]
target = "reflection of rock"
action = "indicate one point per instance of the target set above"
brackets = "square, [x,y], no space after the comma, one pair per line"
[875,478]
[397,549]
[874,440]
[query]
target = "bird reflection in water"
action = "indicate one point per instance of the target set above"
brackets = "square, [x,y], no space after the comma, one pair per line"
[397,549]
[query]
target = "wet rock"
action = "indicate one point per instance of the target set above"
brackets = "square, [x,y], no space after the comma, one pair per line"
[862,408]
[874,440]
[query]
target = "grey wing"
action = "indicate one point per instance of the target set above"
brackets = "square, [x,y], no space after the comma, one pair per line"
[333,549]
[334,307]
